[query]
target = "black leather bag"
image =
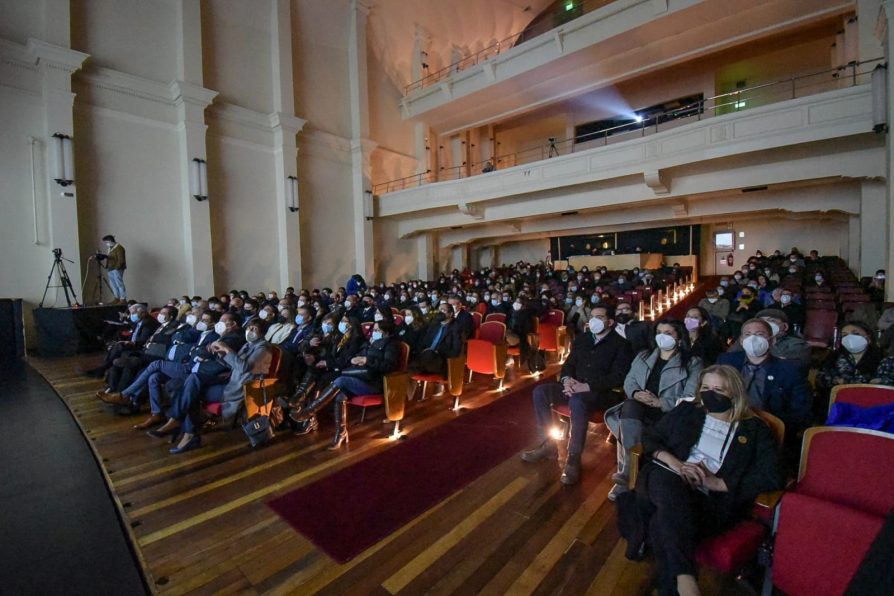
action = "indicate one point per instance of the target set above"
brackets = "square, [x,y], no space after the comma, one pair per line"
[258,428]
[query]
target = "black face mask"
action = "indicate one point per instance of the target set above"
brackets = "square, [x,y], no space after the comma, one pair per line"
[623,318]
[715,402]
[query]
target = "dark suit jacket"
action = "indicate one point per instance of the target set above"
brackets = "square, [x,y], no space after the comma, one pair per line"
[601,365]
[451,343]
[786,393]
[639,334]
[143,330]
[751,464]
[214,365]
[297,341]
[465,323]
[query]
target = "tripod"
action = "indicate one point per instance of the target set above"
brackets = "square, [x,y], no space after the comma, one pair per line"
[100,280]
[64,280]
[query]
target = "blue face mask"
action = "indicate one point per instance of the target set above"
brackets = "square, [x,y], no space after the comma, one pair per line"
[343,327]
[134,317]
[376,335]
[299,319]
[327,327]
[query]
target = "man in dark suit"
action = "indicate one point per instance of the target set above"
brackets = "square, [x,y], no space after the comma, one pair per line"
[126,366]
[142,327]
[598,363]
[638,333]
[464,320]
[775,385]
[441,341]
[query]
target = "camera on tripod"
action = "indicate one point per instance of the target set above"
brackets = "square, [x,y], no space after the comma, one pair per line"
[57,252]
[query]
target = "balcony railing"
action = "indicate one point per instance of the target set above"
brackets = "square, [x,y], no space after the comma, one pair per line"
[566,11]
[725,103]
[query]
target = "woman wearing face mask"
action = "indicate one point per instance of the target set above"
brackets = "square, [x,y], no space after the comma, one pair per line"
[706,344]
[412,329]
[743,308]
[280,330]
[656,380]
[337,342]
[578,315]
[856,361]
[364,376]
[707,462]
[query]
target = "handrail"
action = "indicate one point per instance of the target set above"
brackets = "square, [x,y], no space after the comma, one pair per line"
[578,8]
[731,101]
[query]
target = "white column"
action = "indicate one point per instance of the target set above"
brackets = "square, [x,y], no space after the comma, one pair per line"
[191,99]
[886,245]
[361,146]
[873,235]
[285,153]
[426,254]
[56,65]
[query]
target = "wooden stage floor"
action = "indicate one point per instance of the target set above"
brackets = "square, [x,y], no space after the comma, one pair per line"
[200,525]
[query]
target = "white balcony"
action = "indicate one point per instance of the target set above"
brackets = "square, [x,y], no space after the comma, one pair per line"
[822,136]
[602,48]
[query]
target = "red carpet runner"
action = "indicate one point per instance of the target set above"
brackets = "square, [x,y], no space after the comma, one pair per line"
[351,510]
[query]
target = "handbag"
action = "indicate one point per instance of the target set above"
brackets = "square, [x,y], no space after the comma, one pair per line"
[258,428]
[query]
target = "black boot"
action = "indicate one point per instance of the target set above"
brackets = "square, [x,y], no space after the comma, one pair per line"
[325,396]
[341,424]
[305,388]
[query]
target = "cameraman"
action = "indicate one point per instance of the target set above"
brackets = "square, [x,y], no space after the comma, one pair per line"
[116,263]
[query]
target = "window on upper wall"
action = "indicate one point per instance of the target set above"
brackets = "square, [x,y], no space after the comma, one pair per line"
[675,109]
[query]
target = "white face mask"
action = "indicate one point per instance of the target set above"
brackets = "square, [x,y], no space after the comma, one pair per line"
[161,318]
[191,320]
[755,346]
[855,344]
[408,319]
[579,302]
[712,300]
[251,336]
[665,342]
[343,327]
[785,299]
[378,317]
[220,328]
[774,328]
[376,336]
[516,306]
[201,326]
[596,325]
[347,304]
[263,314]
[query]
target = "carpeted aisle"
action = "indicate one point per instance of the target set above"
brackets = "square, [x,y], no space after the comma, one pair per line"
[351,510]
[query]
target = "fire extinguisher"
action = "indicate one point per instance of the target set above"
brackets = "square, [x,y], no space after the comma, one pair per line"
[729,260]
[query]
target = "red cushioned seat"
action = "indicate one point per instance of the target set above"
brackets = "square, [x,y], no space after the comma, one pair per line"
[805,562]
[730,550]
[214,408]
[365,401]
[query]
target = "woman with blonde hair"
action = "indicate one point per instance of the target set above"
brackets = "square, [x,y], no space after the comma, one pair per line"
[707,461]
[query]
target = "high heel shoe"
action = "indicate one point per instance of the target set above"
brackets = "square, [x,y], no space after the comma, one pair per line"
[159,433]
[327,395]
[193,443]
[341,427]
[336,443]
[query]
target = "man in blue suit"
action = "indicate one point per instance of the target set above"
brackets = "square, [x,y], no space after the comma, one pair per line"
[774,385]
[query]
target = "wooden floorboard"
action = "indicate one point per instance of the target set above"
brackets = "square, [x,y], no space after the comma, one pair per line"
[200,524]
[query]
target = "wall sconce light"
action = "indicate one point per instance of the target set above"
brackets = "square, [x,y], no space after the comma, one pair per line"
[292,193]
[198,180]
[64,159]
[368,205]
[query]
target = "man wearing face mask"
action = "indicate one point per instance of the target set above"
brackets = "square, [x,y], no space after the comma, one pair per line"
[126,366]
[142,326]
[252,361]
[179,362]
[795,313]
[115,262]
[715,307]
[598,363]
[441,341]
[786,344]
[775,385]
[638,333]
